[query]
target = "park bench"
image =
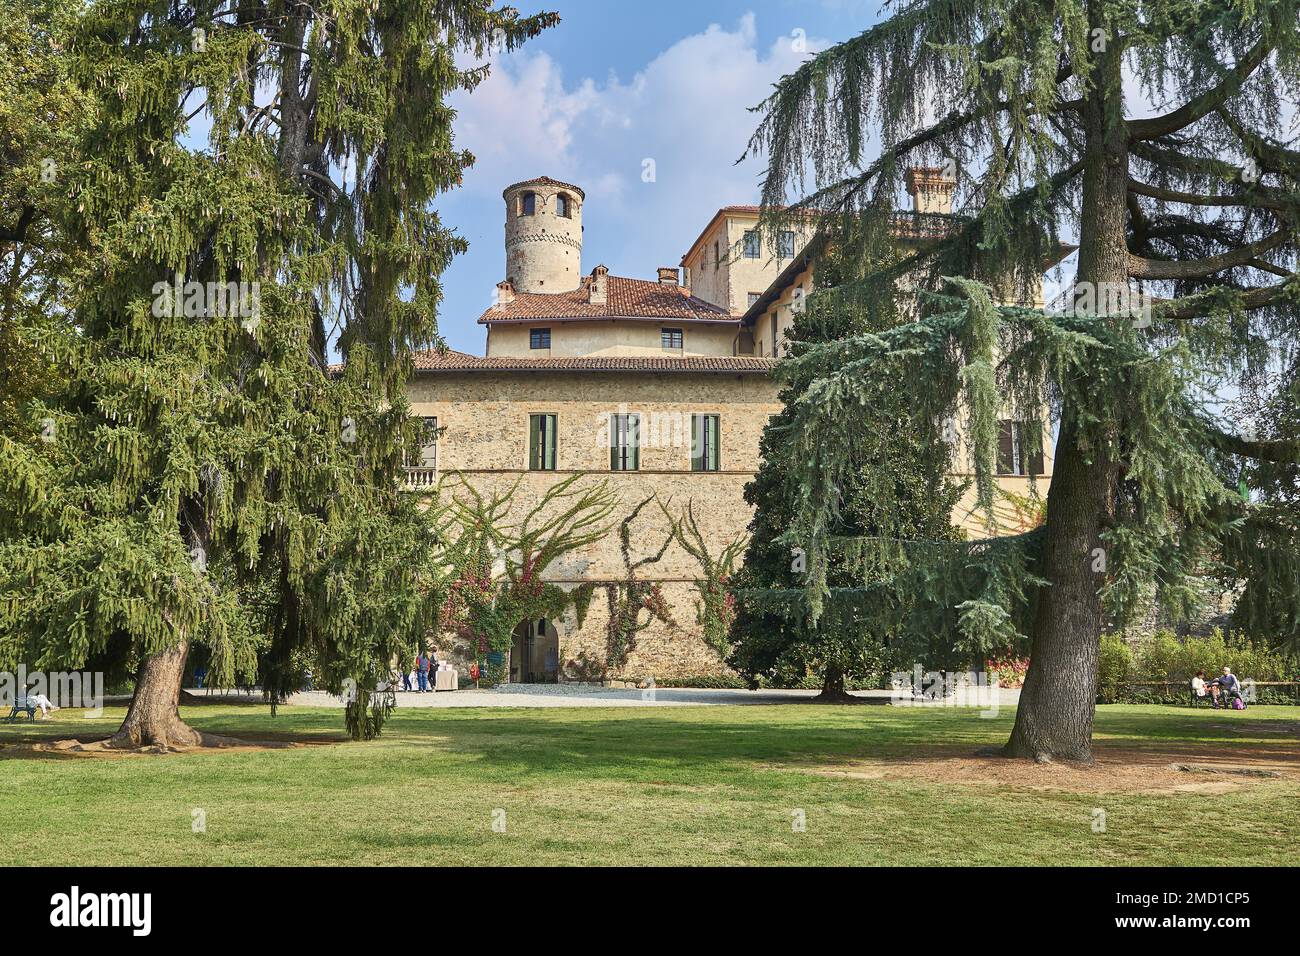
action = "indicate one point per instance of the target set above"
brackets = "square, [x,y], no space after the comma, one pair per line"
[21,704]
[1180,691]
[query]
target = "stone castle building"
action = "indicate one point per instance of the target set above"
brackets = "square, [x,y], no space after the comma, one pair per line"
[661,386]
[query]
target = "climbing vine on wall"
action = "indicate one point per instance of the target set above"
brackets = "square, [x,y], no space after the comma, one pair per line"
[631,597]
[581,597]
[499,565]
[716,608]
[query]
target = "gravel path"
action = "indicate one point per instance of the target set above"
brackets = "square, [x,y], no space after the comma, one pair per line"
[570,695]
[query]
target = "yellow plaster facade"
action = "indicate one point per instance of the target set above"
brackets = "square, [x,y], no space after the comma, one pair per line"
[612,337]
[722,268]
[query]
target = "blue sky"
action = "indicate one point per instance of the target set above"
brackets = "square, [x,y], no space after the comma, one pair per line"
[615,84]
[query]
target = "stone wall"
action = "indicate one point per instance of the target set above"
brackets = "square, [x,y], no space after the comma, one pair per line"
[543,250]
[483,418]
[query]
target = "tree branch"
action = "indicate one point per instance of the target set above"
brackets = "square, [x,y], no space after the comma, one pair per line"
[1271,157]
[1282,451]
[1140,268]
[1197,199]
[949,124]
[1202,303]
[325,179]
[1263,266]
[19,232]
[1206,103]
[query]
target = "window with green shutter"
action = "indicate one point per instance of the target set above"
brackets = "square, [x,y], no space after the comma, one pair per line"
[541,442]
[624,442]
[1020,448]
[705,444]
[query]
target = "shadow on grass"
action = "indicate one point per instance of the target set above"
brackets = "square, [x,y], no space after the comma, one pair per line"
[514,743]
[244,723]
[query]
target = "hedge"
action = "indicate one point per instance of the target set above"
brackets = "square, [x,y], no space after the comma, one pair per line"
[1161,669]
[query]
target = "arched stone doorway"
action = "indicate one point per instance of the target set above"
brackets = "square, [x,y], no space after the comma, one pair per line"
[535,653]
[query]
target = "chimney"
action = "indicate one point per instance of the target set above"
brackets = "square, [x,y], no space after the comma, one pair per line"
[669,276]
[596,291]
[505,293]
[930,189]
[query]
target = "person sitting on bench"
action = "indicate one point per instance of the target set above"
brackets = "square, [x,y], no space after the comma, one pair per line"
[1198,688]
[1228,685]
[31,703]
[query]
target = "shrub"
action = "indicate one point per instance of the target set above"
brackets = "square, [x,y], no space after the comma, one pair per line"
[1165,658]
[1115,667]
[1010,670]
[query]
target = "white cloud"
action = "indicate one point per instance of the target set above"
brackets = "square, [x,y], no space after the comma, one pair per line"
[521,116]
[687,110]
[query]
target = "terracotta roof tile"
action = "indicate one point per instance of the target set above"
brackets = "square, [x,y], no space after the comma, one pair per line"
[453,361]
[624,298]
[544,181]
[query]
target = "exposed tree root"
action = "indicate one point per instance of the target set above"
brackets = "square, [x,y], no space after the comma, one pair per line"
[1017,749]
[181,737]
[838,697]
[115,745]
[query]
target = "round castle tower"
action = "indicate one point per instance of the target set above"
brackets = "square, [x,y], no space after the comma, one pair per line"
[543,235]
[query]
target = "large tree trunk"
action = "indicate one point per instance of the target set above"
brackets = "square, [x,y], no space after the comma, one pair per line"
[153,719]
[833,690]
[1054,717]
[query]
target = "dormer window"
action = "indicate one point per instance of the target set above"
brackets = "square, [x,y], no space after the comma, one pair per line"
[528,204]
[562,207]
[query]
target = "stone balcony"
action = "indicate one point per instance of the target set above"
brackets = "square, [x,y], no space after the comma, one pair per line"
[420,478]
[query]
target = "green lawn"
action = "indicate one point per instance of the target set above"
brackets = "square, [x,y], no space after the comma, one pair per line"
[689,785]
